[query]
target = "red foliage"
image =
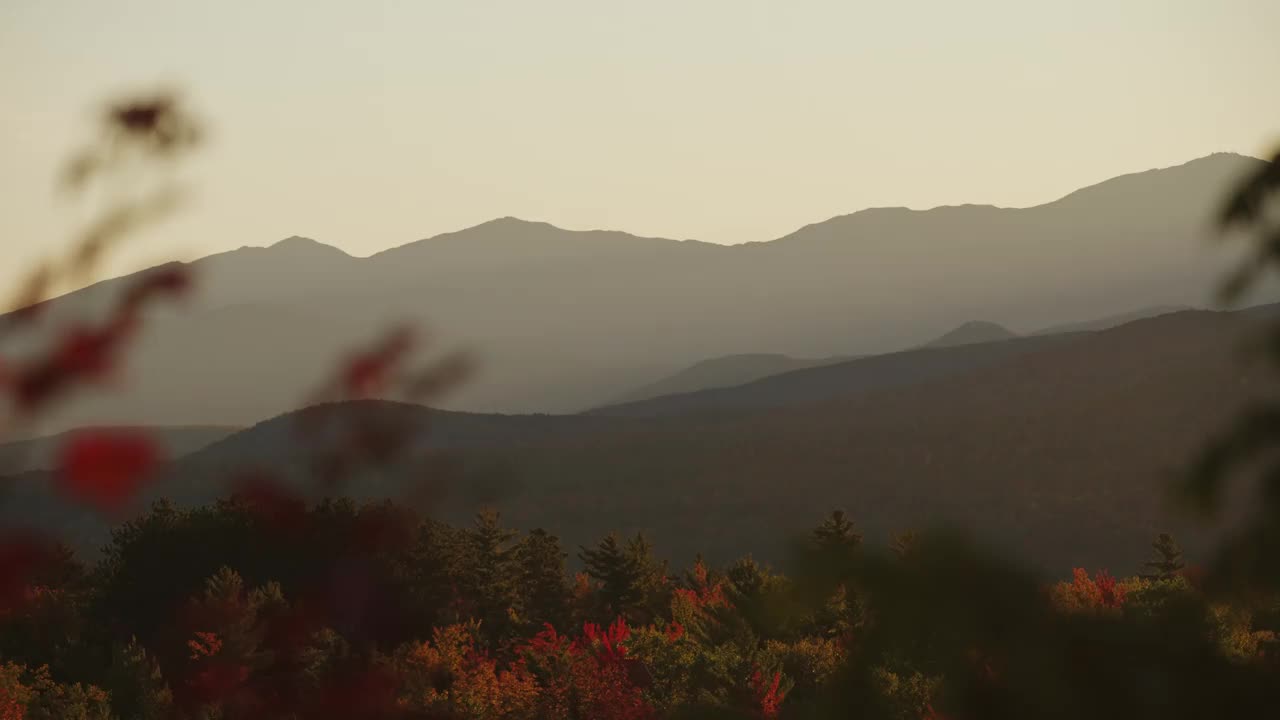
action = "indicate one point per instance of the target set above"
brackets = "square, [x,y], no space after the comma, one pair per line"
[10,707]
[104,468]
[205,644]
[1084,593]
[588,676]
[611,649]
[1110,593]
[767,693]
[704,593]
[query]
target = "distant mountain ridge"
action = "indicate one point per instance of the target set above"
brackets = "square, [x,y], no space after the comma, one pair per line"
[1030,450]
[1111,321]
[562,320]
[724,372]
[732,370]
[40,453]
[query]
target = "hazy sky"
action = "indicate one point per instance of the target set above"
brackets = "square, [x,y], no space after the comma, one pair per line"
[371,124]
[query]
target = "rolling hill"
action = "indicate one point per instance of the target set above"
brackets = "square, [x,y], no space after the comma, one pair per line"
[1060,452]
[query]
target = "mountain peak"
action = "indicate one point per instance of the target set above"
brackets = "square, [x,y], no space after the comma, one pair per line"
[297,243]
[972,332]
[1173,184]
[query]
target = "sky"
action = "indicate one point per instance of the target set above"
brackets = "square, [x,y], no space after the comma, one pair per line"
[367,125]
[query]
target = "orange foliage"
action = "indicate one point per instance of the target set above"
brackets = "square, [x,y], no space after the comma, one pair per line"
[205,644]
[448,675]
[1100,592]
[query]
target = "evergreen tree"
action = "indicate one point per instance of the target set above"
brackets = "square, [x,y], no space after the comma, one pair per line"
[138,690]
[836,533]
[746,577]
[544,584]
[617,569]
[654,591]
[836,543]
[1168,559]
[490,574]
[429,574]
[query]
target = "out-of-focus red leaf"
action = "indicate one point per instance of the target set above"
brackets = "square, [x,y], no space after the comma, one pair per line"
[281,509]
[364,694]
[369,374]
[382,529]
[445,374]
[81,354]
[22,554]
[105,468]
[88,353]
[169,281]
[217,681]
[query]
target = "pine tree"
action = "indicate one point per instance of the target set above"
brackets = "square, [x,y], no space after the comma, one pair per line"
[615,567]
[746,577]
[836,543]
[544,584]
[654,591]
[429,573]
[836,534]
[490,574]
[138,690]
[1169,557]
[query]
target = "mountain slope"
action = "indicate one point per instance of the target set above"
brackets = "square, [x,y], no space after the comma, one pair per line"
[877,373]
[1061,455]
[721,372]
[1106,323]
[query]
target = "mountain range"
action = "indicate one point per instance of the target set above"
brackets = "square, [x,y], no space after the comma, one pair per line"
[919,367]
[565,320]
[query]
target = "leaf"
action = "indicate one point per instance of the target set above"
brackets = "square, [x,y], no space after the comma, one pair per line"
[105,468]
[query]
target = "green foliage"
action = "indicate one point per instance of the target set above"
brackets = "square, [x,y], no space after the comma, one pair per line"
[138,689]
[836,534]
[491,575]
[543,580]
[904,695]
[631,581]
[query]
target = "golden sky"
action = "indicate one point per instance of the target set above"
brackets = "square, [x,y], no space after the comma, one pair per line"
[370,124]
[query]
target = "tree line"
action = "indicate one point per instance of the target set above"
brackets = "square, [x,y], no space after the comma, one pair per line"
[247,609]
